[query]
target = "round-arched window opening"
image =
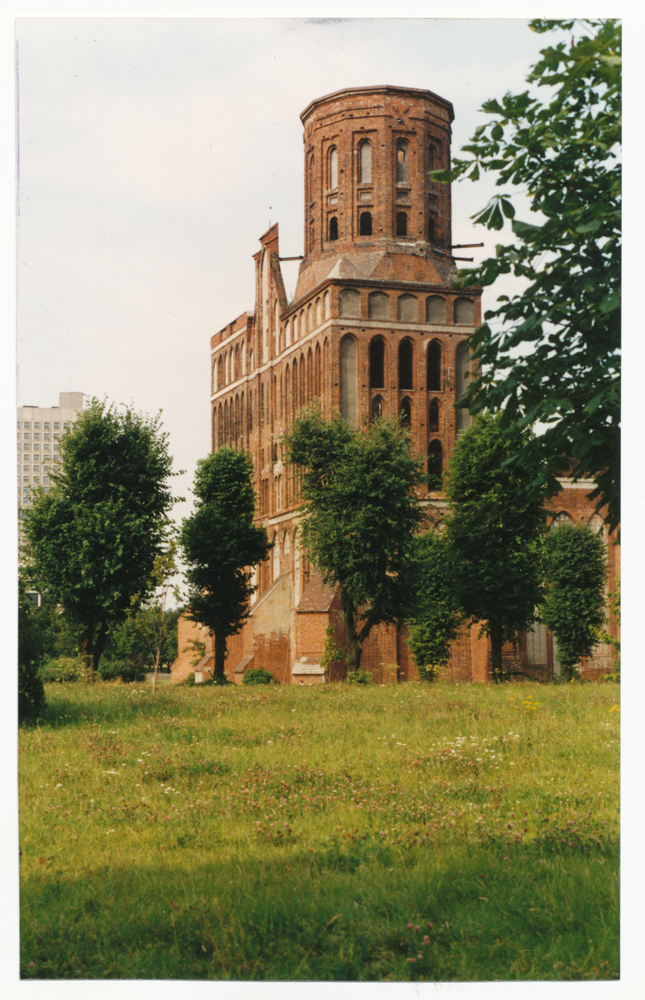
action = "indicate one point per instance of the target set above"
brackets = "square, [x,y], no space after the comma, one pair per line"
[377,363]
[433,416]
[365,225]
[401,161]
[435,465]
[376,409]
[433,383]
[406,413]
[406,356]
[401,224]
[333,228]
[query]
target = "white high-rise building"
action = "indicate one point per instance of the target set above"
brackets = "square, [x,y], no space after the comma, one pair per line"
[39,433]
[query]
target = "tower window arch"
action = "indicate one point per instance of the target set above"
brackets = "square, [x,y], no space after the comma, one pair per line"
[376,409]
[432,233]
[462,374]
[406,413]
[333,168]
[435,309]
[377,363]
[406,359]
[465,311]
[365,162]
[402,161]
[365,224]
[333,228]
[401,224]
[435,464]
[348,380]
[407,308]
[378,305]
[349,303]
[433,416]
[433,383]
[431,159]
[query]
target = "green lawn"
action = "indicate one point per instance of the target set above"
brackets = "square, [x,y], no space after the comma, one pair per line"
[411,832]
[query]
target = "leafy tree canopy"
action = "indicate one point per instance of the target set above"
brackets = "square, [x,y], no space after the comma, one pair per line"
[574,605]
[434,622]
[494,531]
[360,514]
[93,538]
[221,543]
[551,354]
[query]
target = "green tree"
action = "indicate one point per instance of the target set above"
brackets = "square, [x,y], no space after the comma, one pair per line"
[435,620]
[551,354]
[494,532]
[360,513]
[151,620]
[221,543]
[93,538]
[574,604]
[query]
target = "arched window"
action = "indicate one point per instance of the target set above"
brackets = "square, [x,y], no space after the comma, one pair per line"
[214,375]
[349,303]
[310,376]
[333,168]
[401,161]
[377,363]
[406,356]
[333,228]
[317,373]
[365,225]
[215,429]
[326,305]
[431,230]
[378,305]
[464,311]
[431,159]
[433,358]
[401,224]
[435,464]
[407,308]
[406,413]
[462,373]
[318,312]
[364,163]
[433,415]
[561,518]
[435,309]
[261,405]
[309,318]
[348,381]
[376,409]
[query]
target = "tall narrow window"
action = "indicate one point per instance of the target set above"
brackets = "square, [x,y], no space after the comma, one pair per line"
[364,163]
[333,167]
[365,227]
[432,235]
[435,465]
[434,367]
[348,381]
[401,161]
[377,363]
[333,228]
[462,371]
[433,415]
[431,159]
[406,355]
[376,409]
[401,224]
[406,413]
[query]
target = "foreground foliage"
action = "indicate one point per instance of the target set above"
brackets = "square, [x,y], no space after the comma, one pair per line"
[342,832]
[565,151]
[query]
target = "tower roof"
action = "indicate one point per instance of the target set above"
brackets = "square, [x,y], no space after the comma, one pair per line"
[381,89]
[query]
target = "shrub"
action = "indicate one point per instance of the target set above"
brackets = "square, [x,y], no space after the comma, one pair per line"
[359,677]
[258,676]
[112,670]
[190,681]
[31,693]
[62,670]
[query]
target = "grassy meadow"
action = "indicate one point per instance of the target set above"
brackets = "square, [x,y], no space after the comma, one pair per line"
[412,832]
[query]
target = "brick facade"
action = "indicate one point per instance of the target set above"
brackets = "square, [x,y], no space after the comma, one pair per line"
[374,328]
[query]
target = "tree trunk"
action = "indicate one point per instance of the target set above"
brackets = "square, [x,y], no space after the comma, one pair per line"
[219,675]
[354,643]
[496,639]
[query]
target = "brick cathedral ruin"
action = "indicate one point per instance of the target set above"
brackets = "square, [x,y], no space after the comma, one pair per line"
[374,328]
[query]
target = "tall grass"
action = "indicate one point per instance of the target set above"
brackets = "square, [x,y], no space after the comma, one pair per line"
[333,833]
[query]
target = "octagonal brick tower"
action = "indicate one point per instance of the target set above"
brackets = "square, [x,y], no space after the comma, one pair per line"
[368,153]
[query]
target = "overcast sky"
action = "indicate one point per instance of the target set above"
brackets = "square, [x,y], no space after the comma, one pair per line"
[152,155]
